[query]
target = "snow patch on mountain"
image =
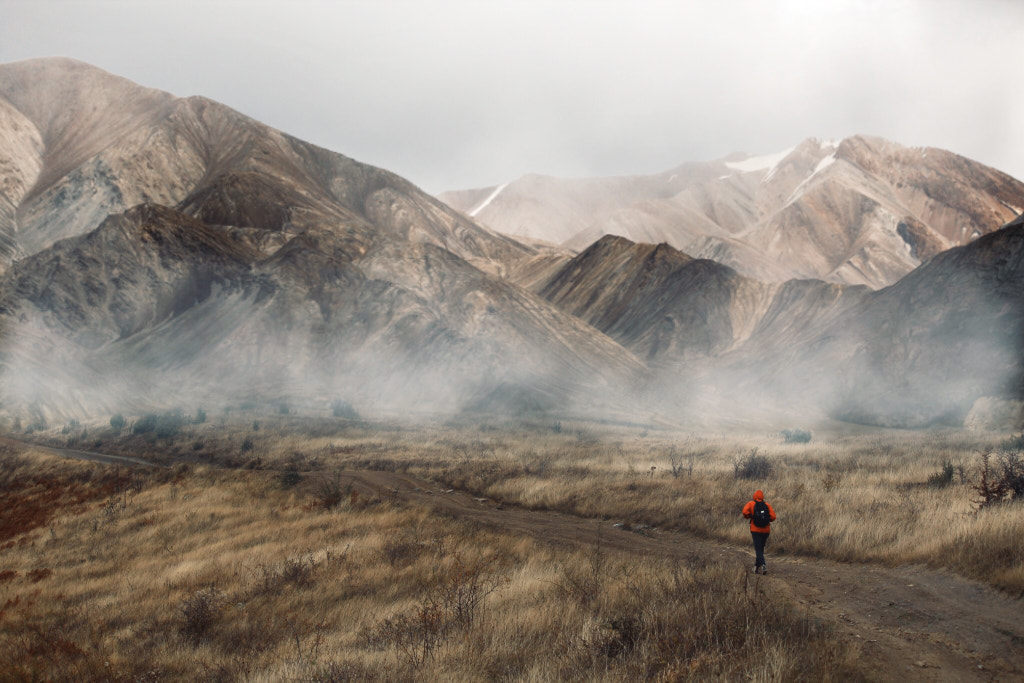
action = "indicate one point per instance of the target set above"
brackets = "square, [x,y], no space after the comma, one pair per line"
[824,163]
[489,199]
[798,191]
[767,162]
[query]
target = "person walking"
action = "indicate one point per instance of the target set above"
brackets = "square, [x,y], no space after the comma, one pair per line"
[761,516]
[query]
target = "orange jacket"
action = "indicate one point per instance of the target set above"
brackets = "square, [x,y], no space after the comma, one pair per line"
[748,512]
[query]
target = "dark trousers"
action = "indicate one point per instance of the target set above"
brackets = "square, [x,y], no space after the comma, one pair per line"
[760,539]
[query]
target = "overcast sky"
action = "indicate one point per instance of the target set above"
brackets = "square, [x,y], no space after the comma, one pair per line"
[469,94]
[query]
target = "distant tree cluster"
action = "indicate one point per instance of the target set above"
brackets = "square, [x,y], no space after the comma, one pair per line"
[796,436]
[165,425]
[344,409]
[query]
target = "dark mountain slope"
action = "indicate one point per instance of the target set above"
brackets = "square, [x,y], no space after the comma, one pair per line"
[922,351]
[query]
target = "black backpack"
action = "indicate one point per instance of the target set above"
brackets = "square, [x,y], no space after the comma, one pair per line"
[762,515]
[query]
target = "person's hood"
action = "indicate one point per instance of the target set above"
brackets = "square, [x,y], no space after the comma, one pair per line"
[758,496]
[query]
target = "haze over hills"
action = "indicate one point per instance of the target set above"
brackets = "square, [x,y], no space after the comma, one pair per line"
[238,262]
[857,211]
[160,252]
[921,351]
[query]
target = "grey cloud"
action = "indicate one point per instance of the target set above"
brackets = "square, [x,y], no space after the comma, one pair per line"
[457,94]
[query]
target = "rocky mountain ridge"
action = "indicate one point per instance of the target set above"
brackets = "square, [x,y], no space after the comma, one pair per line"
[857,211]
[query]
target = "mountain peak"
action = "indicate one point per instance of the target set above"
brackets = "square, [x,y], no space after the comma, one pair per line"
[77,109]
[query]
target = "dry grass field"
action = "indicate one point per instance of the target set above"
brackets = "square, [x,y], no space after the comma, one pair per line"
[200,573]
[249,557]
[854,495]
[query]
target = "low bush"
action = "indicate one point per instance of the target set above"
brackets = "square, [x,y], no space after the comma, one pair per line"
[754,466]
[944,477]
[164,426]
[289,478]
[145,424]
[330,491]
[198,612]
[1000,481]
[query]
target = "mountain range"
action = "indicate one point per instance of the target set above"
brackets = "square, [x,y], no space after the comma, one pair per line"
[159,252]
[164,250]
[857,211]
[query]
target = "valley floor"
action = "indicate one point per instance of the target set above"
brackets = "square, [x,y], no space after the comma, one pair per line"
[873,620]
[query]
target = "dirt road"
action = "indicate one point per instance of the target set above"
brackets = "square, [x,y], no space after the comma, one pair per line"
[912,623]
[85,455]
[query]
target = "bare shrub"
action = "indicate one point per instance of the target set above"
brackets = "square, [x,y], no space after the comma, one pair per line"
[198,612]
[754,466]
[450,603]
[463,588]
[414,634]
[290,477]
[1005,482]
[584,584]
[330,491]
[680,463]
[296,571]
[1013,474]
[344,672]
[400,551]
